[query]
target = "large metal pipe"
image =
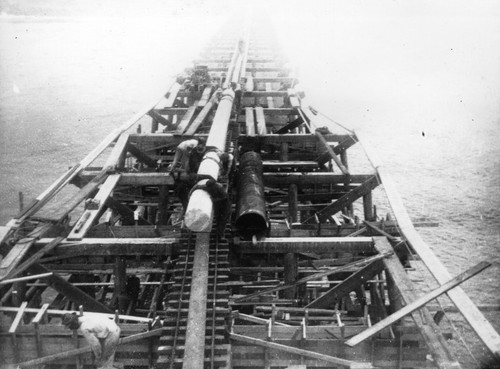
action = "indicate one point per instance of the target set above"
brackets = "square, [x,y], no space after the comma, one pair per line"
[198,217]
[251,218]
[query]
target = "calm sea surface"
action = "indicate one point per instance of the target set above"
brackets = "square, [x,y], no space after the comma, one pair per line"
[65,83]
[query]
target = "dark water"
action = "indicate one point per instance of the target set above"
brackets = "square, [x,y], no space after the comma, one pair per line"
[432,115]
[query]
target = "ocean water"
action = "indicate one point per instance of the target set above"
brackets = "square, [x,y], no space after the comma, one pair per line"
[425,89]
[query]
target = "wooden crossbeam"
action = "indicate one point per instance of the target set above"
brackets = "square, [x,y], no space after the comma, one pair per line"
[90,216]
[141,156]
[254,319]
[71,292]
[337,149]
[297,138]
[345,200]
[408,309]
[112,246]
[171,95]
[358,278]
[17,319]
[154,113]
[287,178]
[298,351]
[307,244]
[86,191]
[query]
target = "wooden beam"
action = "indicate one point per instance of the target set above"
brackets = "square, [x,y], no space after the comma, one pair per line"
[330,297]
[141,156]
[345,200]
[72,293]
[112,246]
[85,192]
[298,351]
[332,153]
[186,119]
[17,319]
[417,304]
[202,115]
[261,121]
[476,319]
[14,257]
[307,244]
[249,122]
[342,146]
[287,178]
[117,157]
[90,216]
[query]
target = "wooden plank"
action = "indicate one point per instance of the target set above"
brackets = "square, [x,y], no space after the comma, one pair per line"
[17,319]
[24,279]
[86,191]
[117,157]
[154,113]
[330,297]
[186,119]
[67,289]
[141,156]
[172,95]
[345,200]
[307,244]
[90,216]
[287,178]
[41,313]
[297,351]
[254,319]
[249,122]
[137,179]
[202,115]
[297,138]
[290,164]
[261,121]
[132,318]
[476,319]
[35,257]
[205,96]
[337,149]
[14,257]
[396,316]
[113,246]
[270,100]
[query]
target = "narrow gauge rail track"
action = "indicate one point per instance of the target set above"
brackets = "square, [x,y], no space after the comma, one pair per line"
[307,275]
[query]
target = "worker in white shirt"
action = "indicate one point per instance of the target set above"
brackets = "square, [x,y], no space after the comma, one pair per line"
[183,151]
[101,333]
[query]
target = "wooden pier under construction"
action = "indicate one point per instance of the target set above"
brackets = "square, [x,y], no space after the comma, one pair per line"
[306,274]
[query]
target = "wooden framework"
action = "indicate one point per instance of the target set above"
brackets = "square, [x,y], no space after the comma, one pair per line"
[327,273]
